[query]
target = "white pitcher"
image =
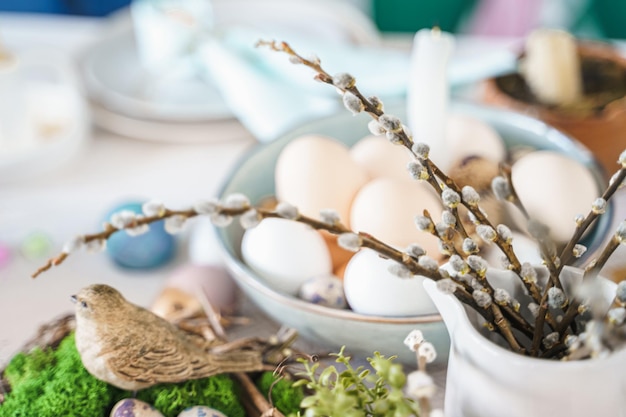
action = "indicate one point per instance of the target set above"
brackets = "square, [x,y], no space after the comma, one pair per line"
[487,380]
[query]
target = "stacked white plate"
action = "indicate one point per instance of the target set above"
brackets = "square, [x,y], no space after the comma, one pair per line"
[128,100]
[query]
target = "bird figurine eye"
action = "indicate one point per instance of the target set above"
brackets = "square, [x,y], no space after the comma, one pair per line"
[83,304]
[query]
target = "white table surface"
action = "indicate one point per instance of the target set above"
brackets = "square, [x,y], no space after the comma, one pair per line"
[73,199]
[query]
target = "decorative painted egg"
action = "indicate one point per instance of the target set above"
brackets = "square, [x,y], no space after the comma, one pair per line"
[149,250]
[324,290]
[201,411]
[132,407]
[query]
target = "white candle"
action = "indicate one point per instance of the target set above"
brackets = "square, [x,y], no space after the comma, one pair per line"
[552,67]
[428,92]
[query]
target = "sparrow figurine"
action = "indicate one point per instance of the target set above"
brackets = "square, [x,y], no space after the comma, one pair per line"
[132,348]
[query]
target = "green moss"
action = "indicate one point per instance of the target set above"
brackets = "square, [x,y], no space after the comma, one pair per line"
[51,383]
[285,397]
[219,392]
[24,367]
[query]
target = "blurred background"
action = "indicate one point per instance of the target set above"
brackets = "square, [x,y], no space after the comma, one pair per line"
[590,18]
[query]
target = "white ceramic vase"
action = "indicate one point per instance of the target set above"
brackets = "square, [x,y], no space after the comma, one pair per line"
[487,380]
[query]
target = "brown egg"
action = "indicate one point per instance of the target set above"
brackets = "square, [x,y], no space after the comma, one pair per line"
[338,255]
[616,274]
[340,271]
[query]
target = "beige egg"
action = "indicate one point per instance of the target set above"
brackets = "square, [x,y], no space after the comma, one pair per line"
[316,172]
[466,136]
[380,158]
[386,209]
[554,189]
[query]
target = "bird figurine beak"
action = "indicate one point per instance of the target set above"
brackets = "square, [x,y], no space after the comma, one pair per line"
[73,299]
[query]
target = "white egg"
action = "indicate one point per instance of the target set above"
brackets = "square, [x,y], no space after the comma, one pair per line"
[525,249]
[371,289]
[386,209]
[325,290]
[379,158]
[554,189]
[285,253]
[316,172]
[466,136]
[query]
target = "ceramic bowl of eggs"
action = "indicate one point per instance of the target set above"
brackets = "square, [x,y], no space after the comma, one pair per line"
[301,278]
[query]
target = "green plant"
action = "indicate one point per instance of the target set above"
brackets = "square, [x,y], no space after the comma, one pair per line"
[284,395]
[356,392]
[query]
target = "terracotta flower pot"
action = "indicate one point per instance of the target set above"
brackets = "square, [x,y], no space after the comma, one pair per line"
[601,127]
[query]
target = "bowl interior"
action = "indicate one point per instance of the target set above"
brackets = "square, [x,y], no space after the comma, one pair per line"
[254,177]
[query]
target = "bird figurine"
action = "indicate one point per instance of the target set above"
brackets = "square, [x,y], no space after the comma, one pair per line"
[132,348]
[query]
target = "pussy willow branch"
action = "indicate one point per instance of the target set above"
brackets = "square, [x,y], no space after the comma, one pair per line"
[493,317]
[434,172]
[110,230]
[375,112]
[542,316]
[505,329]
[368,241]
[567,253]
[514,317]
[505,171]
[591,271]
